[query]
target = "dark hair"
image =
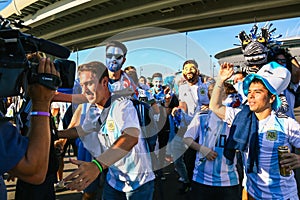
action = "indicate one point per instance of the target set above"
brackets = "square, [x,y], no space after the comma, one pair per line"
[244,74]
[129,68]
[95,67]
[282,51]
[229,89]
[143,77]
[256,80]
[133,76]
[117,44]
[190,62]
[156,75]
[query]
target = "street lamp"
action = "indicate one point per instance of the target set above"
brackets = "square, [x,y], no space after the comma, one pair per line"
[210,65]
[141,69]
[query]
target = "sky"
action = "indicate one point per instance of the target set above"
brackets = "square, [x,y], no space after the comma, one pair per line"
[167,53]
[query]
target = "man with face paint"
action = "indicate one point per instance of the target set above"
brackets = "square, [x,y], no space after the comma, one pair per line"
[119,82]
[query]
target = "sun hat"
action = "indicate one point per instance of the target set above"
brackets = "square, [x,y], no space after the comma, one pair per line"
[275,77]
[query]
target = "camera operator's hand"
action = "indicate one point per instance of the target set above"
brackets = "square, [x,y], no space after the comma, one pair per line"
[33,166]
[40,95]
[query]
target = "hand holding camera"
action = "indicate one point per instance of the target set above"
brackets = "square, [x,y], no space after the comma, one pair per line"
[39,94]
[16,70]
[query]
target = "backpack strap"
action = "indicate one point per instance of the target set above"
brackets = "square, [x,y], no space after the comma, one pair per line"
[107,106]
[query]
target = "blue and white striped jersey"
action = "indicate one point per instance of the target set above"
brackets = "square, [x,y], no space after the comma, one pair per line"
[268,183]
[212,133]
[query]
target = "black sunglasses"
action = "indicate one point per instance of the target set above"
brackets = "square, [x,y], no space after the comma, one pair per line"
[117,56]
[283,61]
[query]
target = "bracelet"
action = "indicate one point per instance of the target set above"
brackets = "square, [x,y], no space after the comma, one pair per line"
[98,165]
[40,113]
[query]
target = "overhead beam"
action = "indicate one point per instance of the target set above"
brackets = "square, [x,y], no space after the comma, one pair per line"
[58,10]
[190,13]
[102,16]
[181,23]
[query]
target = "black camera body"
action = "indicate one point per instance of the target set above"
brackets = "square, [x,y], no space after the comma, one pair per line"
[16,71]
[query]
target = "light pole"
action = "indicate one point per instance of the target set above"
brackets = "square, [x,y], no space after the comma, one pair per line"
[141,69]
[210,66]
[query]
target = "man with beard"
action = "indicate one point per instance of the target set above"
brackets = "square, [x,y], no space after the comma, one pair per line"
[193,98]
[119,81]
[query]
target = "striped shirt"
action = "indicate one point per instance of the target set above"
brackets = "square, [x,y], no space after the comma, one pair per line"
[273,132]
[212,133]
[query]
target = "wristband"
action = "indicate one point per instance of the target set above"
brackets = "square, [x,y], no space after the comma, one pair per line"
[39,113]
[98,165]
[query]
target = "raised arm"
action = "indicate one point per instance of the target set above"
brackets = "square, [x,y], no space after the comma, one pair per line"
[74,98]
[33,167]
[226,71]
[72,131]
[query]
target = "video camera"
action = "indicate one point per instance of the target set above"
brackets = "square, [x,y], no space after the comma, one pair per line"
[16,71]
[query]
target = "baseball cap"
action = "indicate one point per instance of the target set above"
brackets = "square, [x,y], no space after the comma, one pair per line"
[275,77]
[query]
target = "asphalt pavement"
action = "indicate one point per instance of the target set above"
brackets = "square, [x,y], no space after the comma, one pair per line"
[164,189]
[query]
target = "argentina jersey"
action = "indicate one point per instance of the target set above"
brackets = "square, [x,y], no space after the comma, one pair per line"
[212,133]
[268,183]
[135,168]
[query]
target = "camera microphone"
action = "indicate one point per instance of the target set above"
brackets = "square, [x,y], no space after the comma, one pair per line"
[46,46]
[52,48]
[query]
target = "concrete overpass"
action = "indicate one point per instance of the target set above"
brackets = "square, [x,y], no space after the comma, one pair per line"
[81,24]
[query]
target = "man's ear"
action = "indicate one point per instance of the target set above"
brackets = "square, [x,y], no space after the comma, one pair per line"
[272,98]
[105,81]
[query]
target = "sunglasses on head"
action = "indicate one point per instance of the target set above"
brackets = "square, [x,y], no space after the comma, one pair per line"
[117,56]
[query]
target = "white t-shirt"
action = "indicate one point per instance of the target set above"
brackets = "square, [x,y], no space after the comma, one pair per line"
[194,96]
[135,168]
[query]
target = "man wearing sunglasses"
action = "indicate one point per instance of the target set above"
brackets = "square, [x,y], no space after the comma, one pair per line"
[119,81]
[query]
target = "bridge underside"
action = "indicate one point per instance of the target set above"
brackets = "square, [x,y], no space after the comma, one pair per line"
[81,24]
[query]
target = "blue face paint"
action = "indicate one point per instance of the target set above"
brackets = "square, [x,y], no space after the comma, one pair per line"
[114,58]
[157,83]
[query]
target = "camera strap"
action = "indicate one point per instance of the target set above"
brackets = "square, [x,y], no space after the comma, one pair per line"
[48,80]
